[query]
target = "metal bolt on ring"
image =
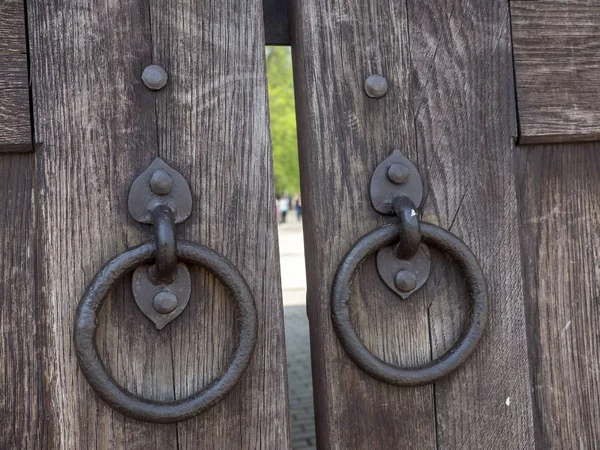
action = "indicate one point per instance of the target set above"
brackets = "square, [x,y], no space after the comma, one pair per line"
[449,361]
[152,410]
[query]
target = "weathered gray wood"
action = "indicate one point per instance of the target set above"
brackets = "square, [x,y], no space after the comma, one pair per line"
[557,66]
[13,71]
[15,128]
[22,418]
[343,135]
[463,100]
[450,78]
[12,26]
[559,189]
[213,124]
[98,125]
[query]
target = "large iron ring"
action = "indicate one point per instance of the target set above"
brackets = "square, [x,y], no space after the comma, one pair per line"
[449,361]
[151,410]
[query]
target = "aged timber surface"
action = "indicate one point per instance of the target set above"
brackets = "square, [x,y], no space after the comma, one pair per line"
[15,128]
[101,128]
[213,123]
[343,135]
[557,66]
[464,107]
[22,418]
[559,187]
[450,108]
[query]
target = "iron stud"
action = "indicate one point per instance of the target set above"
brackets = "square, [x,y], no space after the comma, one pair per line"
[405,280]
[165,302]
[161,182]
[154,77]
[398,173]
[376,86]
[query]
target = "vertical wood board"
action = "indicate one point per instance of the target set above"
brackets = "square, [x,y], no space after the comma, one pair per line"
[559,213]
[463,100]
[100,128]
[450,108]
[15,127]
[22,418]
[343,135]
[213,122]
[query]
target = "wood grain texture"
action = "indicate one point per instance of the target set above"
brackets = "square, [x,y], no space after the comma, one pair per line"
[22,418]
[101,128]
[13,71]
[559,212]
[213,123]
[557,66]
[343,135]
[463,98]
[450,108]
[12,26]
[15,121]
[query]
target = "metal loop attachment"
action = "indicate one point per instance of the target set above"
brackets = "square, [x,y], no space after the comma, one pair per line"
[161,287]
[161,196]
[403,263]
[135,406]
[449,361]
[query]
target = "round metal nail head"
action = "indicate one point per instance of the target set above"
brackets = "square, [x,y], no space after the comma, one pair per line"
[406,281]
[161,182]
[376,86]
[165,302]
[154,77]
[398,173]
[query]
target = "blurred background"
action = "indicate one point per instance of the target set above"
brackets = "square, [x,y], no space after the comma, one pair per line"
[291,244]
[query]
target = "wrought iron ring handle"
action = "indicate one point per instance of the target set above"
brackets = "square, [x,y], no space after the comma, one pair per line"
[150,410]
[449,361]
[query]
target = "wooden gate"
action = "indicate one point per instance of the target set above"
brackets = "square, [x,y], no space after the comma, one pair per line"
[495,103]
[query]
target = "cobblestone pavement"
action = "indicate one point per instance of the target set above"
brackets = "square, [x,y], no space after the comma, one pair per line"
[291,249]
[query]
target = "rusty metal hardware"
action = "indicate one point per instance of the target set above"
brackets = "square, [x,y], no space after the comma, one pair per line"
[376,86]
[403,263]
[155,77]
[161,287]
[397,189]
[162,197]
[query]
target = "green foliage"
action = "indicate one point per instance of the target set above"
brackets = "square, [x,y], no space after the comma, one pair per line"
[283,120]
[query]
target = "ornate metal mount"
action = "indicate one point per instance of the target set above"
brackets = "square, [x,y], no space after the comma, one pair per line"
[403,263]
[161,286]
[162,197]
[397,189]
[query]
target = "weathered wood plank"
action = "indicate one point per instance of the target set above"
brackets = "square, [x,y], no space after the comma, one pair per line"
[12,26]
[213,124]
[15,127]
[463,98]
[559,192]
[97,124]
[22,418]
[343,135]
[557,66]
[99,129]
[451,78]
[13,71]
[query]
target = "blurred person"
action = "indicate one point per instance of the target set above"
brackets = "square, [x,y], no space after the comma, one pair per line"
[284,207]
[297,202]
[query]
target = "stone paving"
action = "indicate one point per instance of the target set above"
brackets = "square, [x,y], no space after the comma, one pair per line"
[291,250]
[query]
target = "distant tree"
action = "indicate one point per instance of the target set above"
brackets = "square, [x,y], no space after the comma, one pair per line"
[283,120]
